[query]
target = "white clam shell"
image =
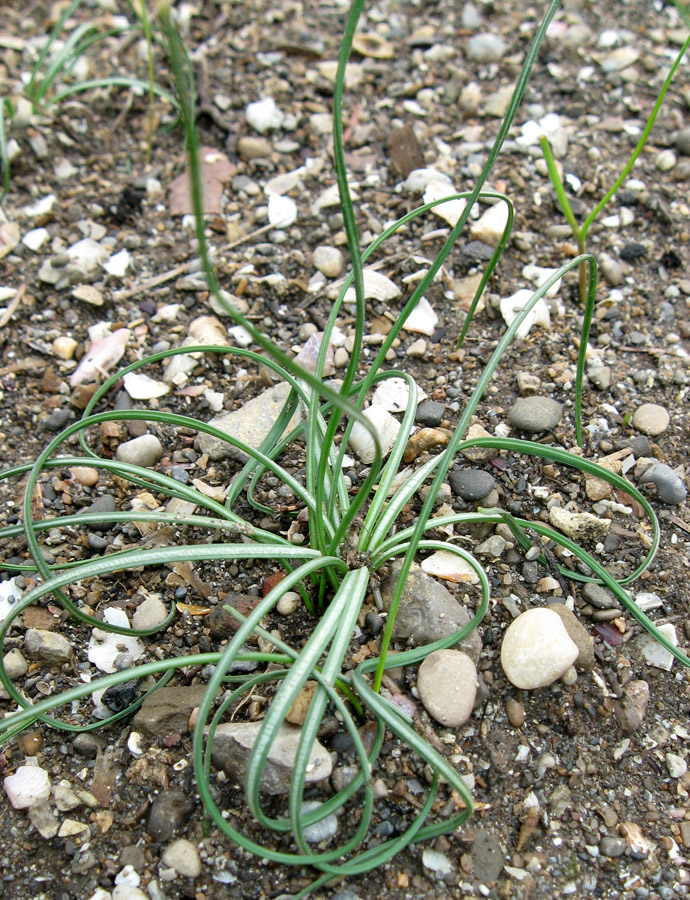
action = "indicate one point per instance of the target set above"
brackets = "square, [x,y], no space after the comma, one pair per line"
[386,427]
[134,744]
[376,286]
[394,395]
[105,647]
[450,567]
[28,786]
[422,319]
[141,387]
[512,306]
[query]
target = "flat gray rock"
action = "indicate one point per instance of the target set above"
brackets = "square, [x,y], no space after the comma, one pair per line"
[168,710]
[535,414]
[250,424]
[669,486]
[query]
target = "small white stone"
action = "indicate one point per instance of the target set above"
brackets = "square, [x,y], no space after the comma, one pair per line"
[289,603]
[537,649]
[264,115]
[141,387]
[328,260]
[436,862]
[183,857]
[676,765]
[512,306]
[319,831]
[417,349]
[490,226]
[27,787]
[282,211]
[450,567]
[149,614]
[118,264]
[105,647]
[35,238]
[423,318]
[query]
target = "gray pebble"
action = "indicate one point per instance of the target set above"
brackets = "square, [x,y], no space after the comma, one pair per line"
[578,634]
[102,504]
[141,451]
[96,543]
[534,414]
[429,413]
[669,487]
[488,857]
[493,547]
[486,48]
[599,597]
[183,857]
[180,474]
[683,140]
[447,685]
[169,811]
[57,420]
[47,647]
[471,484]
[87,745]
[612,847]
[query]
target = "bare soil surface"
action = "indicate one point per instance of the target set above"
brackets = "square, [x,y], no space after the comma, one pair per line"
[567,802]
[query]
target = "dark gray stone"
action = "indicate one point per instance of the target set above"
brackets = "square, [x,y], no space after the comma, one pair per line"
[169,812]
[599,597]
[471,484]
[535,414]
[102,504]
[429,413]
[669,486]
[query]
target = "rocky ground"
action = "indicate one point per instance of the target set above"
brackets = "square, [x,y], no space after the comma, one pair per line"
[581,786]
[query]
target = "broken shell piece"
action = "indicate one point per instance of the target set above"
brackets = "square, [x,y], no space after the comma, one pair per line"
[141,387]
[101,357]
[372,45]
[376,286]
[282,211]
[386,427]
[512,306]
[394,395]
[579,526]
[450,567]
[422,319]
[451,210]
[538,275]
[134,744]
[105,647]
[418,179]
[308,355]
[28,786]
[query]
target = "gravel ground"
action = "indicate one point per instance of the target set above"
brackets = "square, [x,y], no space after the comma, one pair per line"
[581,786]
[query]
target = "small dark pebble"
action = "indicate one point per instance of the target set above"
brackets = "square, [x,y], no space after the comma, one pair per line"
[57,420]
[471,484]
[120,696]
[169,812]
[87,745]
[181,593]
[632,252]
[102,504]
[341,742]
[148,307]
[475,252]
[374,623]
[180,474]
[96,543]
[429,413]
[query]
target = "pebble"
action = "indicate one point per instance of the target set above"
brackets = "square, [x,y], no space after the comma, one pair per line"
[676,765]
[168,709]
[471,484]
[612,847]
[650,418]
[64,347]
[527,383]
[653,652]
[47,648]
[492,548]
[289,603]
[251,147]
[682,140]
[128,892]
[579,526]
[57,420]
[536,649]
[28,786]
[328,260]
[149,614]
[103,504]
[488,857]
[669,486]
[599,596]
[417,349]
[490,226]
[428,611]
[386,428]
[601,377]
[436,861]
[85,475]
[264,115]
[515,712]
[612,271]
[15,664]
[486,48]
[578,635]
[169,812]
[234,740]
[183,857]
[143,451]
[323,830]
[43,819]
[430,413]
[447,685]
[665,160]
[535,414]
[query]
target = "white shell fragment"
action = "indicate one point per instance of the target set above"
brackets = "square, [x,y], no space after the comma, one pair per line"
[449,567]
[386,427]
[376,286]
[105,647]
[282,211]
[28,786]
[118,264]
[10,594]
[264,115]
[102,356]
[512,306]
[450,211]
[417,181]
[141,387]
[394,395]
[134,744]
[539,274]
[422,319]
[656,654]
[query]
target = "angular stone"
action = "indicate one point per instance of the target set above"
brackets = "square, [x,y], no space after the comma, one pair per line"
[48,648]
[537,649]
[428,611]
[168,710]
[233,742]
[169,811]
[183,857]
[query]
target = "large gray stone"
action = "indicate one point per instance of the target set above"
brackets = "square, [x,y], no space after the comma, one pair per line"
[428,612]
[250,424]
[47,648]
[168,710]
[233,742]
[534,414]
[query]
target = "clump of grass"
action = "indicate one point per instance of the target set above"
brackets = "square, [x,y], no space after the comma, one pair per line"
[351,536]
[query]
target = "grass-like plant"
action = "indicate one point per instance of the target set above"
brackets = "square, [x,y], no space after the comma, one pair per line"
[580,232]
[352,534]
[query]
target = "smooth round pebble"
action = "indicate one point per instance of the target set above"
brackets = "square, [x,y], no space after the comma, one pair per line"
[665,160]
[288,603]
[683,140]
[149,614]
[323,830]
[251,147]
[85,475]
[650,418]
[183,857]
[536,649]
[471,484]
[515,712]
[141,451]
[486,48]
[64,347]
[669,486]
[676,765]
[328,260]
[447,685]
[535,414]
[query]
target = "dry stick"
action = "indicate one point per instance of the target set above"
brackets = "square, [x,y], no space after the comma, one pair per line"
[16,300]
[183,268]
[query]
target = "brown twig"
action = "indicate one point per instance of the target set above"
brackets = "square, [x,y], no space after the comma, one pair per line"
[16,300]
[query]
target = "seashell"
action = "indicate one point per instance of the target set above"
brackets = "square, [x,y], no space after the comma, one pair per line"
[105,647]
[513,305]
[284,182]
[118,264]
[10,593]
[449,567]
[376,286]
[418,180]
[241,336]
[134,744]
[538,275]
[264,115]
[309,353]
[282,211]
[331,197]
[452,210]
[373,45]
[141,387]
[28,786]
[422,319]
[102,355]
[386,427]
[394,396]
